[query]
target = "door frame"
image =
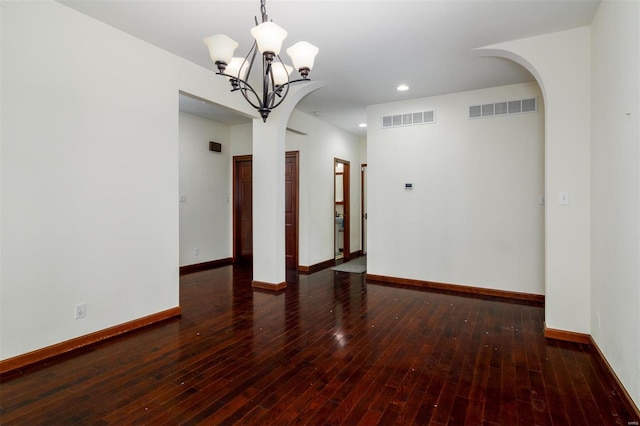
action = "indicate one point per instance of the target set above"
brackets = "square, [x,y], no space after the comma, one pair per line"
[346,198]
[295,155]
[236,202]
[239,158]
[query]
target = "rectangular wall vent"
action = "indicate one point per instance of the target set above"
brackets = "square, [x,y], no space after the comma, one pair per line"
[503,108]
[409,119]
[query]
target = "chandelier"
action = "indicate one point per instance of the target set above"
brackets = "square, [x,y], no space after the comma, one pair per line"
[276,76]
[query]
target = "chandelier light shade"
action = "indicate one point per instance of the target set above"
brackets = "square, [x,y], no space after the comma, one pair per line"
[302,55]
[281,73]
[221,48]
[269,37]
[235,68]
[276,76]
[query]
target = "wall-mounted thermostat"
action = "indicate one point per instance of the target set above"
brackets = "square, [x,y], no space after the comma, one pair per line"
[408,186]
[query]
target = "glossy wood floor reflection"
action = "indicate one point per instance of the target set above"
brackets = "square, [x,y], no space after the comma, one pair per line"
[330,349]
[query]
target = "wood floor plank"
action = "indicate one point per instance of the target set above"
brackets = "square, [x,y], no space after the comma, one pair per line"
[508,394]
[330,349]
[552,388]
[539,399]
[493,401]
[370,418]
[352,407]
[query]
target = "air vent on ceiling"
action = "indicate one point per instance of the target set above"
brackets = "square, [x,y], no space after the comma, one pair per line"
[409,119]
[503,108]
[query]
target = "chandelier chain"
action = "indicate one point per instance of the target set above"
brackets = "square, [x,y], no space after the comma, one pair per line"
[263,11]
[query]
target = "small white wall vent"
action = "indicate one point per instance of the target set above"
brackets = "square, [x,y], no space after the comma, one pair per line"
[503,108]
[409,119]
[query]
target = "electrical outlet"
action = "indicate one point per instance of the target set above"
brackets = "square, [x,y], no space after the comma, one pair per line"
[196,251]
[598,319]
[81,310]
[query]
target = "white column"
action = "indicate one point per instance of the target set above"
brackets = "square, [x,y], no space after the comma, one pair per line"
[268,202]
[269,270]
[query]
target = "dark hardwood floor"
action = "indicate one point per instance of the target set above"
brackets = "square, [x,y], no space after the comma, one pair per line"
[330,349]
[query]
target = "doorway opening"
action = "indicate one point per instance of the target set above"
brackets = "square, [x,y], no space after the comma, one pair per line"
[341,209]
[243,208]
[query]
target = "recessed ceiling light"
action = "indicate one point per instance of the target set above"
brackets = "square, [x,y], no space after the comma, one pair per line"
[402,88]
[362,125]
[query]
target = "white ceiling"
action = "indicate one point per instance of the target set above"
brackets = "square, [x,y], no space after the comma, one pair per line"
[366,48]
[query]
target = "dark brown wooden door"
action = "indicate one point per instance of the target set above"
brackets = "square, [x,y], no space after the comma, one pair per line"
[243,205]
[242,208]
[291,209]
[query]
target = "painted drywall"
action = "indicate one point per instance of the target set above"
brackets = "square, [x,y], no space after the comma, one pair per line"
[90,192]
[363,150]
[268,201]
[561,64]
[241,137]
[615,189]
[205,206]
[472,217]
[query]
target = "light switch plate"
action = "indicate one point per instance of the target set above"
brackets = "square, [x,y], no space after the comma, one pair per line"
[563,197]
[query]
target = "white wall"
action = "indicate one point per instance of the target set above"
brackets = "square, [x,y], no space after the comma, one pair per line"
[241,137]
[363,150]
[615,189]
[89,190]
[205,216]
[561,64]
[473,216]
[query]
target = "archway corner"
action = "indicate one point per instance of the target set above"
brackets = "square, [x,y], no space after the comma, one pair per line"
[501,51]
